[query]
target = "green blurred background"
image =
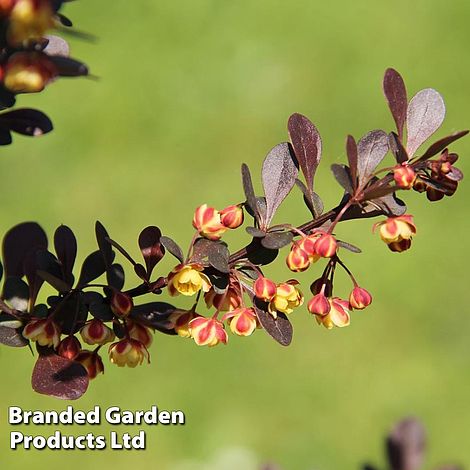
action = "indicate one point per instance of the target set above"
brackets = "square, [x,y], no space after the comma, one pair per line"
[188,90]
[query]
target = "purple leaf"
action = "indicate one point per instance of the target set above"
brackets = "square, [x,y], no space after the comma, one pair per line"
[406,445]
[441,144]
[26,121]
[250,192]
[278,174]
[58,377]
[351,150]
[12,338]
[343,177]
[151,248]
[395,93]
[426,113]
[280,328]
[371,150]
[172,247]
[65,245]
[396,147]
[18,243]
[92,268]
[104,244]
[307,145]
[276,241]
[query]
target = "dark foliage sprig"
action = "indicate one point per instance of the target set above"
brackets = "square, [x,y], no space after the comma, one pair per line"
[30,60]
[99,306]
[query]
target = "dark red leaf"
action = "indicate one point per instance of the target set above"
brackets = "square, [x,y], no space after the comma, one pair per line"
[18,242]
[371,150]
[65,245]
[275,241]
[278,174]
[351,151]
[406,445]
[307,145]
[11,337]
[104,244]
[395,93]
[92,268]
[343,176]
[426,112]
[396,147]
[250,192]
[172,247]
[58,377]
[280,328]
[26,121]
[441,144]
[68,67]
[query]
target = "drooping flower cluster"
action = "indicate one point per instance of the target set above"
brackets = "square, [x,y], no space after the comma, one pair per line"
[30,60]
[228,289]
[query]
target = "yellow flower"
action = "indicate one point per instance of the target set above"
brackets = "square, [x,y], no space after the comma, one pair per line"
[188,280]
[44,331]
[286,298]
[29,19]
[128,352]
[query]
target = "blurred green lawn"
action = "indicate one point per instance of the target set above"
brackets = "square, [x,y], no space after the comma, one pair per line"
[187,91]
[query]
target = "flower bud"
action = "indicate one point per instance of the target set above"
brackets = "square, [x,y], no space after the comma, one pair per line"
[287,298]
[232,216]
[140,332]
[242,321]
[319,305]
[188,279]
[91,361]
[419,185]
[28,72]
[297,260]
[226,302]
[404,176]
[326,245]
[45,332]
[308,245]
[29,19]
[207,222]
[359,298]
[207,331]
[180,320]
[96,332]
[128,352]
[264,288]
[69,347]
[121,303]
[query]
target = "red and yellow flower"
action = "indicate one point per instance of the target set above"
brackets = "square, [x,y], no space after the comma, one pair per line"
[207,331]
[128,352]
[140,333]
[286,299]
[404,176]
[264,288]
[359,298]
[69,347]
[188,279]
[96,332]
[28,19]
[242,321]
[207,221]
[232,216]
[226,302]
[91,361]
[319,305]
[44,332]
[337,316]
[180,320]
[121,303]
[397,232]
[326,245]
[28,72]
[297,260]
